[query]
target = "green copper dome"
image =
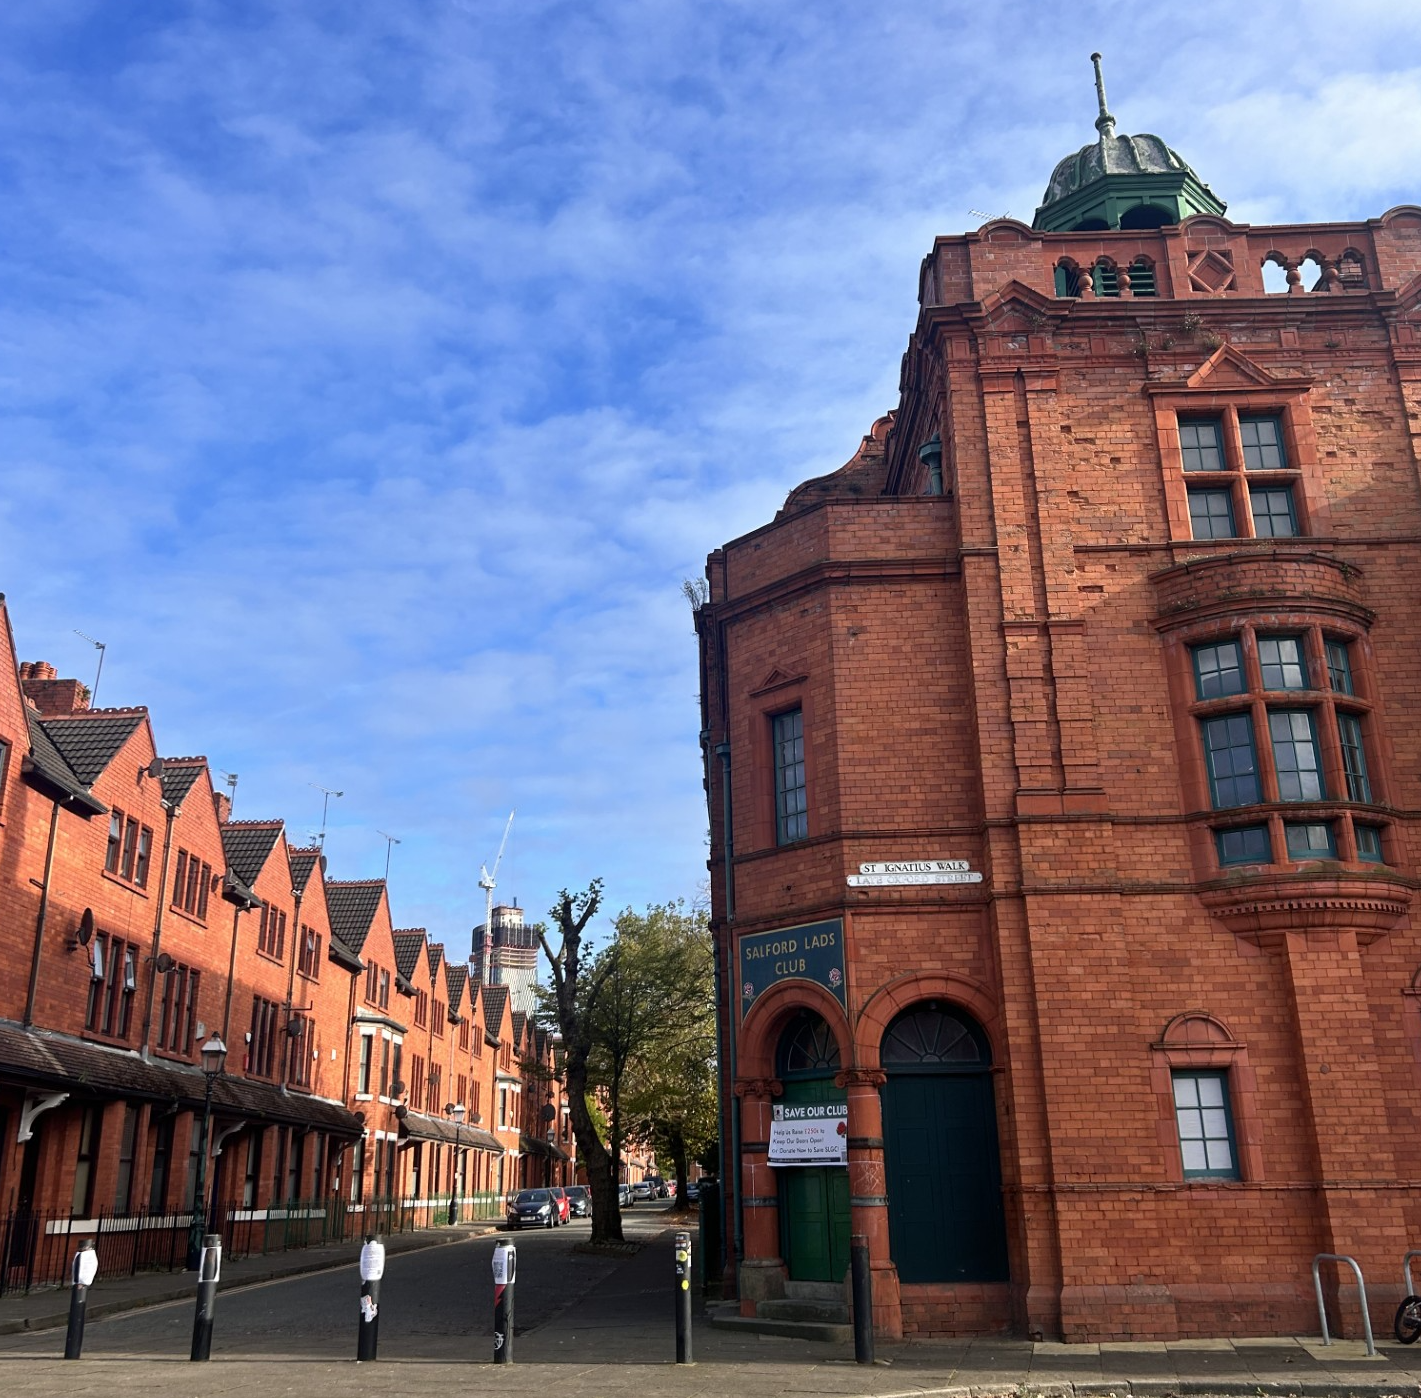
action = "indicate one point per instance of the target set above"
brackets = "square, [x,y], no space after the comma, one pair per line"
[1121,182]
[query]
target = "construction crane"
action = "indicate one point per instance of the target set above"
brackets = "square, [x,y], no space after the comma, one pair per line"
[486,882]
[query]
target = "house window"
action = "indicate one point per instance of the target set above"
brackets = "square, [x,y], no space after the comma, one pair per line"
[261,1052]
[1339,668]
[127,1146]
[309,963]
[1142,278]
[1256,479]
[421,1009]
[191,881]
[90,1123]
[1329,735]
[441,1013]
[129,850]
[1243,844]
[791,806]
[1312,840]
[1218,670]
[271,933]
[384,990]
[301,1051]
[1369,844]
[1280,658]
[1354,757]
[1206,1136]
[113,978]
[1295,755]
[178,1015]
[250,1183]
[362,1081]
[1233,767]
[1211,514]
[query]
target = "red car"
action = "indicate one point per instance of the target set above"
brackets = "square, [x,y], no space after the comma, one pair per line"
[564,1204]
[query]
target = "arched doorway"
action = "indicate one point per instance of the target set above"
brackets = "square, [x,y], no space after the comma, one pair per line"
[814,1200]
[945,1219]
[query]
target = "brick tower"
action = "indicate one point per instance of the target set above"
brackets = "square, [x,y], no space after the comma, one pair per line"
[1063,756]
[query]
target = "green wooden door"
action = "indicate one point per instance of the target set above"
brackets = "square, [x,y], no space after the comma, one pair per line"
[814,1201]
[945,1218]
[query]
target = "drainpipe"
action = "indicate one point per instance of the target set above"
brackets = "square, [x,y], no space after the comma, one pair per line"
[43,915]
[231,974]
[172,811]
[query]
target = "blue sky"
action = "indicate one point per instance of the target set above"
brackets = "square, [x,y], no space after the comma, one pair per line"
[372,375]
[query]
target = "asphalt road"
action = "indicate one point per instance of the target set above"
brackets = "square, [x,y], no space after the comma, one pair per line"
[436,1305]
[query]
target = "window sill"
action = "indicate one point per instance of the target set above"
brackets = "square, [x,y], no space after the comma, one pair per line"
[97,1036]
[313,976]
[270,956]
[186,916]
[139,888]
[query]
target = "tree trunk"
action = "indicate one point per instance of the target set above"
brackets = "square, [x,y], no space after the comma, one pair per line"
[680,1164]
[601,1174]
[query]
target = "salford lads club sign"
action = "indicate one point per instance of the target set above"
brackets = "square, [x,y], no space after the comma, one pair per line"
[812,952]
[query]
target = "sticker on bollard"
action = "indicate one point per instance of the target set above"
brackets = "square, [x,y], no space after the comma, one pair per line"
[505,1270]
[209,1271]
[372,1268]
[85,1269]
[683,1298]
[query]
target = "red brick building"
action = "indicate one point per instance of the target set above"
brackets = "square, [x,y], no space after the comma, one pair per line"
[138,920]
[1063,758]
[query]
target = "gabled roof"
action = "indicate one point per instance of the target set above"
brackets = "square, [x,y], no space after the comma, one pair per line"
[353,904]
[519,1021]
[436,955]
[408,943]
[247,845]
[337,951]
[180,774]
[495,1002]
[303,860]
[90,740]
[457,976]
[46,763]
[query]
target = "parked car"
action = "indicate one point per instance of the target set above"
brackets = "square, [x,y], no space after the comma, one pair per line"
[663,1190]
[563,1202]
[642,1189]
[625,1197]
[693,1191]
[579,1201]
[533,1208]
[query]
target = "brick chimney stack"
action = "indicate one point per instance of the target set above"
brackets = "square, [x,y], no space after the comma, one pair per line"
[222,804]
[51,695]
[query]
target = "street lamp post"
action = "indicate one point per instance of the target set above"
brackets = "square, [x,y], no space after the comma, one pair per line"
[456,1110]
[214,1059]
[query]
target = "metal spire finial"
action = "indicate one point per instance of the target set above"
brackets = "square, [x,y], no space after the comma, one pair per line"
[1104,123]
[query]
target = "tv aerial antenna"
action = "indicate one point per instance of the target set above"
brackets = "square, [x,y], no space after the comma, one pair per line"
[327,792]
[390,842]
[101,647]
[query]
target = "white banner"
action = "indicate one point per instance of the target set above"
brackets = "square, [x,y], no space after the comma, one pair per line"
[810,1135]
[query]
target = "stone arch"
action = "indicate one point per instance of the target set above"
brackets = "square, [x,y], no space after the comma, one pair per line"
[1197,1029]
[1068,277]
[1146,216]
[1143,278]
[760,1032]
[889,1001]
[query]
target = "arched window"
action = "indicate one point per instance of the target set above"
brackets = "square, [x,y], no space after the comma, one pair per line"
[807,1045]
[935,1036]
[1107,279]
[1146,216]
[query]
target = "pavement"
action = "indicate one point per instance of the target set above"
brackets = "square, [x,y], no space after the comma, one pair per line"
[615,1336]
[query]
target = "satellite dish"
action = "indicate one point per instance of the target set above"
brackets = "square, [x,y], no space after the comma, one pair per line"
[401,1112]
[155,768]
[163,963]
[397,1088]
[83,934]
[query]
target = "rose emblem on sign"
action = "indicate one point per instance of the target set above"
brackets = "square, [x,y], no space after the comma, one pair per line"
[835,976]
[748,991]
[842,1128]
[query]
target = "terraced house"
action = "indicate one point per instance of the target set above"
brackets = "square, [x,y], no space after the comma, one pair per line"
[1063,754]
[140,924]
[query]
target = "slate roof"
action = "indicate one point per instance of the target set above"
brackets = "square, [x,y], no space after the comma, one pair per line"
[352,904]
[436,955]
[495,1001]
[90,740]
[248,845]
[519,1021]
[457,977]
[337,951]
[416,1126]
[303,859]
[407,948]
[46,762]
[180,774]
[94,1070]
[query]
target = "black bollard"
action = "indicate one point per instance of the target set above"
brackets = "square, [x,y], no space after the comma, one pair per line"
[372,1268]
[86,1268]
[683,1298]
[863,1298]
[209,1270]
[505,1268]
